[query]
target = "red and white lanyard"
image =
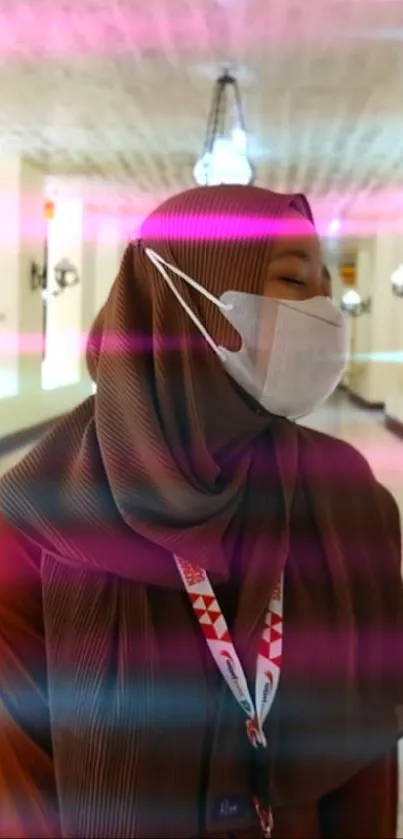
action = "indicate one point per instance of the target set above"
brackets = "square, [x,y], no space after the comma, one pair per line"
[218,638]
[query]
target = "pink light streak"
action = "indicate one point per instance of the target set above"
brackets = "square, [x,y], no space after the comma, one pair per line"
[44,30]
[365,216]
[60,33]
[211,228]
[118,342]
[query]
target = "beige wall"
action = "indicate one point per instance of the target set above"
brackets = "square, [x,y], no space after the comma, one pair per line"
[21,242]
[23,400]
[9,268]
[377,337]
[108,255]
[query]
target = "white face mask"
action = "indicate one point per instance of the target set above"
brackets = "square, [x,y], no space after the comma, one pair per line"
[293,353]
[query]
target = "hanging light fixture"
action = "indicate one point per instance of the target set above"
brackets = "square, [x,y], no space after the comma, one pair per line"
[225,155]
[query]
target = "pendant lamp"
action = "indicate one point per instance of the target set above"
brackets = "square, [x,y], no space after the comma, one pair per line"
[225,154]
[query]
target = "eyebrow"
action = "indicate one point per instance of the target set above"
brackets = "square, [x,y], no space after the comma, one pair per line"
[295,252]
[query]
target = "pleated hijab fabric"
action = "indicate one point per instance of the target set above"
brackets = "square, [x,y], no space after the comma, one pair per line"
[162,453]
[170,457]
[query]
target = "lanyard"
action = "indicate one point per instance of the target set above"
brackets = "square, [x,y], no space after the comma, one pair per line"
[219,642]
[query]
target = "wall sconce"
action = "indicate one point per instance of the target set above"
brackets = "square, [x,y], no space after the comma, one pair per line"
[396,281]
[353,304]
[38,277]
[65,274]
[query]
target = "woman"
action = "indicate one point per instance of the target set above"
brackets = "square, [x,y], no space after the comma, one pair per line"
[153,539]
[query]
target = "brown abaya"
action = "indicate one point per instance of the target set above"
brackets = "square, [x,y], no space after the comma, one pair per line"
[113,719]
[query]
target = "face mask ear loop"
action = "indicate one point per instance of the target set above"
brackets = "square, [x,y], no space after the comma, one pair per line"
[156,258]
[159,263]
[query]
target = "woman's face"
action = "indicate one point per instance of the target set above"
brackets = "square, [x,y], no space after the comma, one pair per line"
[296,270]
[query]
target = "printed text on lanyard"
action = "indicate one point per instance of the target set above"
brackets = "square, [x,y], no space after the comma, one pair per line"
[218,638]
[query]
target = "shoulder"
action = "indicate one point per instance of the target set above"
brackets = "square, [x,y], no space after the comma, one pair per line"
[336,453]
[350,476]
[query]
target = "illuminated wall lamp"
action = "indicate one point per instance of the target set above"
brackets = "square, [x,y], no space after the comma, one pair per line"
[353,304]
[65,274]
[396,281]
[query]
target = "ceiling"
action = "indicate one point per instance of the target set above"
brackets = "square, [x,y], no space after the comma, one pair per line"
[117,94]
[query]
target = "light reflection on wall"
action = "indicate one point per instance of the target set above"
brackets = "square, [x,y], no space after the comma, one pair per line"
[61,365]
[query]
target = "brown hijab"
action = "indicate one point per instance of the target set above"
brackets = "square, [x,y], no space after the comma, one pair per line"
[163,452]
[170,457]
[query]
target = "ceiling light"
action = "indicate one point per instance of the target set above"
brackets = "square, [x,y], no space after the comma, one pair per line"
[225,155]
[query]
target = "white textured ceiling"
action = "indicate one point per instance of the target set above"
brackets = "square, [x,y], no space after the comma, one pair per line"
[117,93]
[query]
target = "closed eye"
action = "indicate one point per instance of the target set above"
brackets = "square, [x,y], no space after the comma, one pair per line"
[293,281]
